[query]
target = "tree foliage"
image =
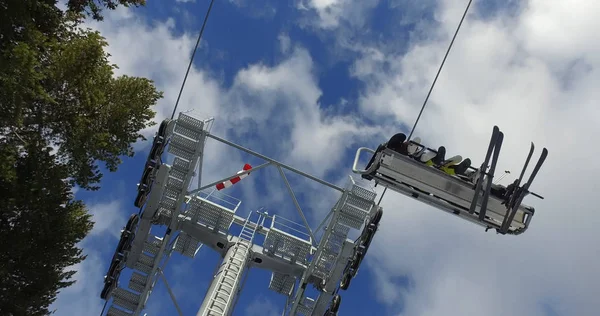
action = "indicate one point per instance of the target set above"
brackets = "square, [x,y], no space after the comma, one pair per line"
[93,8]
[62,110]
[40,225]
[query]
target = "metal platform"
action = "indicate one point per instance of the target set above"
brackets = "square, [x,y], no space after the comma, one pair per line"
[187,245]
[214,216]
[285,240]
[114,311]
[282,283]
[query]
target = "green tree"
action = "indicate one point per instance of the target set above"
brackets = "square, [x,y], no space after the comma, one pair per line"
[64,89]
[62,111]
[93,8]
[40,225]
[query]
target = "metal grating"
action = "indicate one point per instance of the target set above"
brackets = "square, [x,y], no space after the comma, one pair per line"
[340,230]
[125,304]
[152,246]
[192,212]
[137,282]
[183,143]
[113,311]
[175,184]
[351,221]
[359,203]
[191,251]
[141,267]
[180,129]
[177,174]
[282,283]
[180,153]
[146,259]
[180,164]
[338,239]
[282,244]
[180,242]
[169,199]
[126,299]
[353,210]
[211,214]
[187,245]
[306,307]
[326,263]
[363,193]
[189,122]
[333,246]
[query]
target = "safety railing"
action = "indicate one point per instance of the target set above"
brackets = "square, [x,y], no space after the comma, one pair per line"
[219,198]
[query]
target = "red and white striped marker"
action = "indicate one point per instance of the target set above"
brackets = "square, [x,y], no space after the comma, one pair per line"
[228,183]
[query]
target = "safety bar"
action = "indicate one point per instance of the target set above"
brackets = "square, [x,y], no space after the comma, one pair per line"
[357,156]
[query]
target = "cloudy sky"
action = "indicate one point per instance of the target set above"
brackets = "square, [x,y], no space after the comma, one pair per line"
[307,82]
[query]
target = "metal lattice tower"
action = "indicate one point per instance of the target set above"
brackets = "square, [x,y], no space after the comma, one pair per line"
[205,216]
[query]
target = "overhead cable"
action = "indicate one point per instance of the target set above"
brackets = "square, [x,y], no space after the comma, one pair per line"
[439,70]
[192,57]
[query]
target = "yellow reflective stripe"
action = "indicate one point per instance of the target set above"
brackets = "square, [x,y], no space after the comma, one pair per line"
[448,170]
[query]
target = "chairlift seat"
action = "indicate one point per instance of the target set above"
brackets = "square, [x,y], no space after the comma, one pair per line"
[452,194]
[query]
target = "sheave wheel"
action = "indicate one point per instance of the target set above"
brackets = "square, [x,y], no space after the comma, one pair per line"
[345,283]
[335,303]
[132,222]
[377,217]
[108,287]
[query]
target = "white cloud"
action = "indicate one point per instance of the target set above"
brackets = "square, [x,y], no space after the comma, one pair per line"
[262,306]
[266,9]
[284,42]
[331,13]
[108,218]
[290,90]
[83,297]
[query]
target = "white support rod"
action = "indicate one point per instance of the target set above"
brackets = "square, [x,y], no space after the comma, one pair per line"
[199,168]
[170,292]
[324,221]
[287,302]
[292,169]
[287,183]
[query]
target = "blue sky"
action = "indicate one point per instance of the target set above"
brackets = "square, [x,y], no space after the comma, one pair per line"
[308,82]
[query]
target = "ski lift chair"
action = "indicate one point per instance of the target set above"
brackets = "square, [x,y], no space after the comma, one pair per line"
[452,194]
